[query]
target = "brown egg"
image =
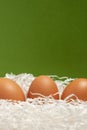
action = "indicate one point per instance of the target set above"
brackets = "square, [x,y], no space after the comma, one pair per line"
[10,90]
[43,85]
[77,87]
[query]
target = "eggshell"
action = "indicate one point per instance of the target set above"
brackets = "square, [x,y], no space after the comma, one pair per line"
[77,87]
[43,85]
[10,90]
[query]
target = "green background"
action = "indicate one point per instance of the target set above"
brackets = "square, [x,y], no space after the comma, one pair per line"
[43,37]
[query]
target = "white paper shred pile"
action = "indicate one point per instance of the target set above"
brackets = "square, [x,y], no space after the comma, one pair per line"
[34,115]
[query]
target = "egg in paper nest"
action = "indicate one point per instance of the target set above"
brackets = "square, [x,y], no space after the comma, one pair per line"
[10,90]
[43,86]
[77,89]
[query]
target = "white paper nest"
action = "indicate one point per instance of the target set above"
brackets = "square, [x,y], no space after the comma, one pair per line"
[34,115]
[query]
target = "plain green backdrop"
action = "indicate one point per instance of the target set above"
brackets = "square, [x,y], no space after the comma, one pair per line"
[43,37]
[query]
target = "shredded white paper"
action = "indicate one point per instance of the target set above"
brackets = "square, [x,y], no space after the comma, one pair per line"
[42,113]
